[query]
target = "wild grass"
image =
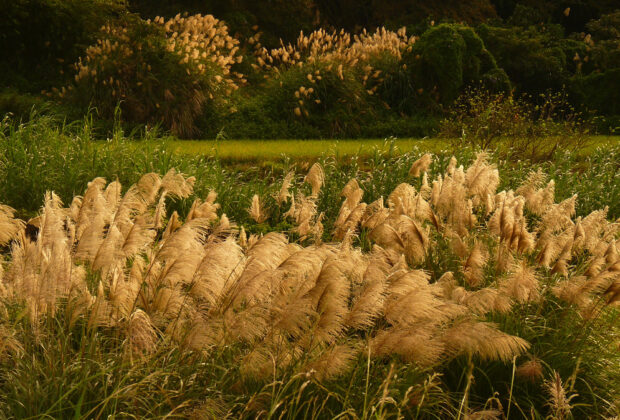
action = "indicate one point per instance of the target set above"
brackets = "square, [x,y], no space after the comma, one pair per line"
[419,289]
[41,155]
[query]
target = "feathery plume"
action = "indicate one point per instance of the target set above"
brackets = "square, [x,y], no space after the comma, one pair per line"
[415,344]
[522,284]
[530,370]
[559,402]
[141,335]
[333,361]
[256,211]
[473,266]
[421,165]
[484,340]
[284,194]
[315,177]
[8,225]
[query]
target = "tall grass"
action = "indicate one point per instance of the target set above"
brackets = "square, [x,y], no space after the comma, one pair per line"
[419,289]
[41,155]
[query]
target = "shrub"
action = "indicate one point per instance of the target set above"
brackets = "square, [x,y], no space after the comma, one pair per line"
[351,14]
[448,57]
[321,95]
[607,27]
[599,91]
[20,106]
[331,81]
[531,61]
[518,128]
[595,86]
[162,71]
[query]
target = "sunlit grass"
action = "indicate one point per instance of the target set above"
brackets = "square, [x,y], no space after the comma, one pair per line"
[254,150]
[60,368]
[261,150]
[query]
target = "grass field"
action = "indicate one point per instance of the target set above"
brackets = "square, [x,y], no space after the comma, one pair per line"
[266,150]
[253,150]
[340,304]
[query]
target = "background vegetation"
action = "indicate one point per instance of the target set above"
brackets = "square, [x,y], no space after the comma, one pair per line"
[244,73]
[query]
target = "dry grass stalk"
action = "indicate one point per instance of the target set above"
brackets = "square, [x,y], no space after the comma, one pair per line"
[315,177]
[559,402]
[257,213]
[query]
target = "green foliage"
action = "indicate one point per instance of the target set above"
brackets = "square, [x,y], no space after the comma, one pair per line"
[554,11]
[441,52]
[599,91]
[605,28]
[38,156]
[336,106]
[402,12]
[448,57]
[42,154]
[532,64]
[19,106]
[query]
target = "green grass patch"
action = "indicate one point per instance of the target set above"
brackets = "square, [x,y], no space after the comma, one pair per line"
[258,150]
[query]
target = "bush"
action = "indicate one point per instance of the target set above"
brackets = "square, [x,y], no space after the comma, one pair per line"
[599,92]
[597,82]
[20,106]
[159,72]
[448,57]
[515,127]
[554,11]
[333,82]
[320,95]
[351,14]
[531,61]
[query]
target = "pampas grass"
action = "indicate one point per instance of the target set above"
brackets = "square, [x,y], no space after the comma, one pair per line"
[454,272]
